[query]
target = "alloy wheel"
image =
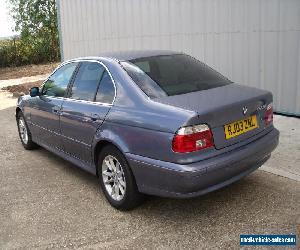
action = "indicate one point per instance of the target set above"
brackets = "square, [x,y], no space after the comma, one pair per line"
[113,178]
[23,130]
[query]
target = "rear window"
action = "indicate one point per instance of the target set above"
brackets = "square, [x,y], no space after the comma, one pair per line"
[169,75]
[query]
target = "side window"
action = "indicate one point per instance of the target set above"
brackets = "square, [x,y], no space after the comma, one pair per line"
[87,81]
[106,90]
[57,84]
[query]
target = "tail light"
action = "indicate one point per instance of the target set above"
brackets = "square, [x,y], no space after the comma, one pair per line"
[192,138]
[269,114]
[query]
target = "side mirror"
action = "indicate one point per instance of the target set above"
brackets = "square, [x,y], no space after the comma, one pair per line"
[35,91]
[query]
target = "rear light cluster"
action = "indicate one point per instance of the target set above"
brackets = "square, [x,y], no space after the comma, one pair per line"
[269,114]
[192,138]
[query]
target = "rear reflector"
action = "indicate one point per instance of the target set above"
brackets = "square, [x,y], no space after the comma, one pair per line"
[269,114]
[192,138]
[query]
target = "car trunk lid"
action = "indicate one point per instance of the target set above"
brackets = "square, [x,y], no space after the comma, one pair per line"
[224,105]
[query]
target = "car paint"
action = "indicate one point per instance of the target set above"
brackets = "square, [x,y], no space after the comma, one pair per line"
[143,128]
[189,180]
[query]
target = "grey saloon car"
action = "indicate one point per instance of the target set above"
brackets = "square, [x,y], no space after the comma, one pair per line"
[149,122]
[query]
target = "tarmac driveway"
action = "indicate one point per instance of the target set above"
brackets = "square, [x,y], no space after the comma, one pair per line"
[46,202]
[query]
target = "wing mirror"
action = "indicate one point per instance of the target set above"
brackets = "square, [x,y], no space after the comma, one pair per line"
[35,91]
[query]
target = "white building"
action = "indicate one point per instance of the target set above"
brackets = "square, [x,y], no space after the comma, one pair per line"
[252,42]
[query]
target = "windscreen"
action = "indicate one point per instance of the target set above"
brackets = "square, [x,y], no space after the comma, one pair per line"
[175,74]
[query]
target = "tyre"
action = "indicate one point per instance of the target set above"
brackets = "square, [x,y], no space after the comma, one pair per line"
[116,179]
[24,133]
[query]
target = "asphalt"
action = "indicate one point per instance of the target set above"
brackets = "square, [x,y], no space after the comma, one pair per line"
[46,202]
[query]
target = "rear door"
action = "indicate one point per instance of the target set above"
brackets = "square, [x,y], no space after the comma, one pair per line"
[89,99]
[46,107]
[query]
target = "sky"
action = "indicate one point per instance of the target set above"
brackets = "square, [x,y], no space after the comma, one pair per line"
[6,22]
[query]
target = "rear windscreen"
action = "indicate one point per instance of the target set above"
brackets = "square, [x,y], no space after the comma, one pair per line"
[175,74]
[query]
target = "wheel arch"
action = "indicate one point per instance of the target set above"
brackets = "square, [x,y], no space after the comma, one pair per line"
[99,145]
[18,109]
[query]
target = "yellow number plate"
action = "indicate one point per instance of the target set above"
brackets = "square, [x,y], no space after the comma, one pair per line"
[240,127]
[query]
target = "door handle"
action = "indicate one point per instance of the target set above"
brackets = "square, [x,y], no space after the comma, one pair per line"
[56,110]
[95,117]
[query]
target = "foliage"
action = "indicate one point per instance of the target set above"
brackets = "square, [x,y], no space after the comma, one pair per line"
[36,20]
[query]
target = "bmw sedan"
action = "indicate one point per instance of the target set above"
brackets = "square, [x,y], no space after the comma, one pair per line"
[149,122]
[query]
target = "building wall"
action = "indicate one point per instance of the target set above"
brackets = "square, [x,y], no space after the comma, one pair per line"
[253,42]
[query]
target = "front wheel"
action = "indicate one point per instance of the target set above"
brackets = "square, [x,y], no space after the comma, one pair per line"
[24,133]
[116,179]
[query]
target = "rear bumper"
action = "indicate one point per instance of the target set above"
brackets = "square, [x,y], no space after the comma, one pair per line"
[167,179]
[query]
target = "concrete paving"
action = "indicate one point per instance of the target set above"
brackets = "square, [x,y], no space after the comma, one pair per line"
[285,160]
[47,202]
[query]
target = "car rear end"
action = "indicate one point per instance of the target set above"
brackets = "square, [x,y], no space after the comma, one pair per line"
[230,134]
[206,158]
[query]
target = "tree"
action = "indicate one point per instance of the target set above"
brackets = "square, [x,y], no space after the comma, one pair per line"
[36,20]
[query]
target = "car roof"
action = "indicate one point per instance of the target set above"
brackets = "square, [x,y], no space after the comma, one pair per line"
[130,55]
[135,54]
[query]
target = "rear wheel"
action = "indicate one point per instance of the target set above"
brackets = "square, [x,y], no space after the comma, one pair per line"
[116,179]
[24,133]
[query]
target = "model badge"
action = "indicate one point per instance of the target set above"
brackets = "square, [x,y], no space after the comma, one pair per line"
[262,107]
[245,109]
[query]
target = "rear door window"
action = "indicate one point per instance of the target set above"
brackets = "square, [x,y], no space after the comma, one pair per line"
[57,83]
[86,82]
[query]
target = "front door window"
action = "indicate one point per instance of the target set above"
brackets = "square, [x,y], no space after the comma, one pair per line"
[57,83]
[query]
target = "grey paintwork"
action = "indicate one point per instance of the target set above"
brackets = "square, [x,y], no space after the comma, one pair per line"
[143,129]
[44,114]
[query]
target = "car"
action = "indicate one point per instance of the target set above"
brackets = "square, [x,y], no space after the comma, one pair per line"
[148,122]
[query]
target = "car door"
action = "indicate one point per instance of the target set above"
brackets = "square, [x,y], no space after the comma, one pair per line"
[46,107]
[89,99]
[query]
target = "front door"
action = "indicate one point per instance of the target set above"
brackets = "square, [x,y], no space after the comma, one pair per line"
[85,109]
[45,111]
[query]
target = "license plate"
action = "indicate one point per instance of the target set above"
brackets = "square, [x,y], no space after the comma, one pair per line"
[240,127]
